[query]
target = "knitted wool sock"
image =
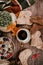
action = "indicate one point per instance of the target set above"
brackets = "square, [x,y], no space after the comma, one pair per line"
[24,3]
[16,5]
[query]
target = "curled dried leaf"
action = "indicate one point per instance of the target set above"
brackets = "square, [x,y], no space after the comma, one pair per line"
[12,28]
[37,19]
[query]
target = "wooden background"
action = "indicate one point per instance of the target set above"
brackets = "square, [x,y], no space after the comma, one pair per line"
[37,8]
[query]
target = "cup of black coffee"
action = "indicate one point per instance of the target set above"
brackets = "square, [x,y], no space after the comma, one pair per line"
[23,35]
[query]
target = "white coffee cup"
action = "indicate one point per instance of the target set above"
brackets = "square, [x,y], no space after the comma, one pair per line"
[25,39]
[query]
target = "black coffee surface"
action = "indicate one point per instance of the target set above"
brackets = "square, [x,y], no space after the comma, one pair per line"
[22,35]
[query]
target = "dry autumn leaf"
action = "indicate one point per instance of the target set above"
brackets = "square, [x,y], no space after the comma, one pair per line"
[12,28]
[35,28]
[37,19]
